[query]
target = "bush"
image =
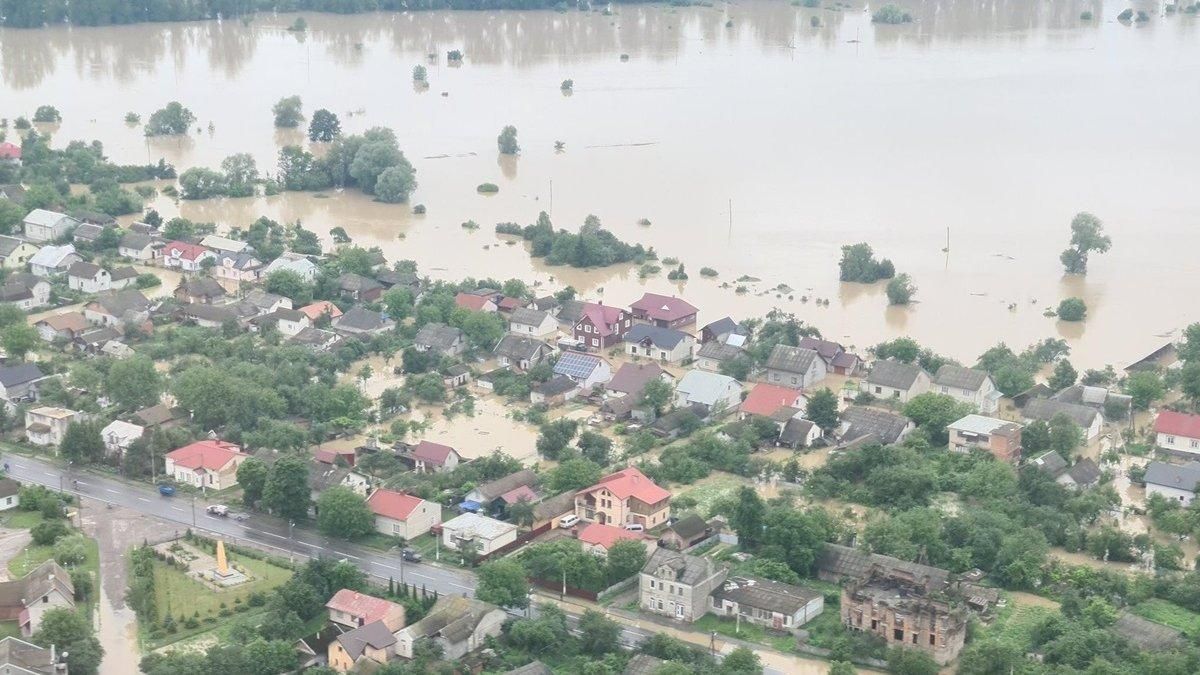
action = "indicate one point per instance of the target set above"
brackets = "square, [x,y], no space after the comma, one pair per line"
[891,14]
[900,290]
[47,532]
[1085,16]
[1072,309]
[47,114]
[71,550]
[707,272]
[1125,15]
[419,209]
[148,280]
[487,188]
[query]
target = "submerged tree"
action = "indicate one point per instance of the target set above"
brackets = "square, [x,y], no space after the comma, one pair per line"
[508,141]
[287,112]
[324,126]
[1087,237]
[169,120]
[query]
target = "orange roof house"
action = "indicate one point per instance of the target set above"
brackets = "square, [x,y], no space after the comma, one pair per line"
[207,463]
[354,609]
[625,497]
[764,399]
[318,309]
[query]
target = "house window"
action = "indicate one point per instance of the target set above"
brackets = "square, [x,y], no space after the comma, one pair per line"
[896,394]
[945,390]
[878,390]
[1171,440]
[795,380]
[898,634]
[1195,443]
[651,583]
[874,624]
[595,342]
[914,638]
[660,605]
[932,639]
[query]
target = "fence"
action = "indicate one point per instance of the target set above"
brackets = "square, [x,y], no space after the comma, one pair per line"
[557,587]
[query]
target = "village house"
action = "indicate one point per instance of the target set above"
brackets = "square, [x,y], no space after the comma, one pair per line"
[968,385]
[876,425]
[10,494]
[10,153]
[51,260]
[720,330]
[238,268]
[457,375]
[586,370]
[402,515]
[288,322]
[547,512]
[401,279]
[26,600]
[663,311]
[23,658]
[137,246]
[1086,418]
[1110,404]
[319,309]
[318,340]
[456,624]
[837,359]
[797,432]
[1175,482]
[66,326]
[15,253]
[160,416]
[678,585]
[765,400]
[775,605]
[43,225]
[714,391]
[554,391]
[117,308]
[118,435]
[476,302]
[623,498]
[18,383]
[1177,432]
[891,379]
[715,353]
[440,339]
[355,610]
[200,290]
[631,378]
[999,437]
[88,278]
[362,321]
[25,290]
[1051,463]
[46,426]
[507,305]
[520,353]
[362,649]
[206,316]
[298,264]
[221,244]
[263,302]
[430,457]
[123,277]
[357,288]
[493,497]
[666,345]
[600,326]
[597,539]
[795,367]
[482,534]
[207,463]
[11,191]
[186,257]
[532,322]
[689,531]
[87,233]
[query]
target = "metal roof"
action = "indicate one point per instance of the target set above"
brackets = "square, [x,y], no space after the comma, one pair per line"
[894,374]
[665,338]
[1178,476]
[791,359]
[959,377]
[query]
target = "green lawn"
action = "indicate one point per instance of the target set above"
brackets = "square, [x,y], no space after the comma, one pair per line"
[1015,623]
[17,519]
[33,555]
[10,629]
[748,632]
[1169,614]
[714,487]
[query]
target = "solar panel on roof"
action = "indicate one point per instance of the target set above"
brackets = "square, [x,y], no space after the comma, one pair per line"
[575,365]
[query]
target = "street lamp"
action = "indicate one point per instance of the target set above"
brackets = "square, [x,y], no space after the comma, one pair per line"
[193,510]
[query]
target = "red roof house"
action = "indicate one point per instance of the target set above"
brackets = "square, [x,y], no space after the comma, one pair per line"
[185,256]
[429,457]
[207,463]
[764,399]
[402,515]
[508,304]
[666,311]
[353,610]
[475,303]
[10,152]
[627,496]
[599,538]
[318,309]
[1178,431]
[601,326]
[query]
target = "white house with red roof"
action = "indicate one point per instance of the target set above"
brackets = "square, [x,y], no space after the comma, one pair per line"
[625,497]
[10,153]
[318,309]
[208,463]
[398,514]
[475,303]
[355,610]
[664,311]
[597,538]
[186,257]
[1177,431]
[766,399]
[601,326]
[430,457]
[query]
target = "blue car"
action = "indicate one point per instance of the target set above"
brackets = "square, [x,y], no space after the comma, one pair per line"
[166,490]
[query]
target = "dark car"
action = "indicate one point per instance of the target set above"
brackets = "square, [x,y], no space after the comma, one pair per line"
[410,555]
[166,490]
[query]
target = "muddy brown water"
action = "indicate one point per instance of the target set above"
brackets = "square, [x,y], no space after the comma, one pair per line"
[998,121]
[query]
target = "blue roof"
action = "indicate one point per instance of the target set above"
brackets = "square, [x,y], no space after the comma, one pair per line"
[576,365]
[667,338]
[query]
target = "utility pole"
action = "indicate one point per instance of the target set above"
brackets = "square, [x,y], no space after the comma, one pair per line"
[292,547]
[563,596]
[193,510]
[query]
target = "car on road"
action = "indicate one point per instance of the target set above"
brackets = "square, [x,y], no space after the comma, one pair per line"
[218,510]
[166,490]
[410,555]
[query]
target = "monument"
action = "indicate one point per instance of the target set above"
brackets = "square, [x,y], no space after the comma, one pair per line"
[223,574]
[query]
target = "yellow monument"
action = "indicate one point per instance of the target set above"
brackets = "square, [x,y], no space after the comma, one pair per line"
[222,563]
[223,574]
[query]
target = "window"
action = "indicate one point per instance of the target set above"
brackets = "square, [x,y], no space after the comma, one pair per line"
[652,583]
[914,638]
[896,394]
[1171,440]
[587,328]
[945,390]
[795,380]
[878,390]
[1195,443]
[898,634]
[660,605]
[874,624]
[932,639]
[595,342]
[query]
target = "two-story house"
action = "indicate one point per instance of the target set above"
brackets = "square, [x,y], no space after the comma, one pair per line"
[430,457]
[354,610]
[795,367]
[601,326]
[837,359]
[999,437]
[46,426]
[26,291]
[891,379]
[623,498]
[664,311]
[666,345]
[48,586]
[43,225]
[88,278]
[138,246]
[678,585]
[362,649]
[968,385]
[186,257]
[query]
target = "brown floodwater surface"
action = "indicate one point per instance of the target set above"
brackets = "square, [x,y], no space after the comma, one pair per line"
[996,120]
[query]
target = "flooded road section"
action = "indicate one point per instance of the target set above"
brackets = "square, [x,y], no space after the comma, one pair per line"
[992,123]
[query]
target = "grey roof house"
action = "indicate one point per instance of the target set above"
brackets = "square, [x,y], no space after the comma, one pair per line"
[677,585]
[440,338]
[520,352]
[660,344]
[362,321]
[1046,409]
[883,426]
[895,380]
[795,367]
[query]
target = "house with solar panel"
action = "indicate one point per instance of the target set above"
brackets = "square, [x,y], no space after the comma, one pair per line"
[586,370]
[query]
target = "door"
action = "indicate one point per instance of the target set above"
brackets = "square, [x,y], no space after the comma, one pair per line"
[678,611]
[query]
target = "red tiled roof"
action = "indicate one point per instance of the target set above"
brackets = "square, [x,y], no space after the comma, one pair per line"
[664,307]
[764,399]
[392,504]
[470,301]
[317,309]
[511,303]
[518,494]
[601,316]
[10,151]
[605,535]
[434,453]
[367,607]
[330,456]
[207,454]
[185,250]
[1177,424]
[631,483]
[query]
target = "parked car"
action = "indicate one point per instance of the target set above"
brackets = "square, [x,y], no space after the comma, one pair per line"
[635,527]
[410,555]
[218,510]
[568,521]
[166,490]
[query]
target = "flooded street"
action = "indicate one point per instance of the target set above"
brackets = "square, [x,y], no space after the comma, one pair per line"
[818,137]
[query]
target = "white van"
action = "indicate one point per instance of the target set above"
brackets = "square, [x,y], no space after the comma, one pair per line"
[568,521]
[635,527]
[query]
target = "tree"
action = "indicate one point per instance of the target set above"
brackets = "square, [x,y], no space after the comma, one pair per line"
[1072,309]
[748,518]
[574,474]
[371,160]
[902,661]
[858,264]
[399,303]
[11,215]
[286,493]
[900,290]
[625,559]
[201,183]
[598,635]
[324,126]
[396,183]
[795,537]
[842,668]
[82,443]
[507,141]
[241,173]
[1064,376]
[741,661]
[1189,381]
[1144,387]
[595,447]
[252,477]
[269,657]
[1065,435]
[290,285]
[555,436]
[1087,237]
[287,112]
[657,394]
[342,513]
[47,114]
[822,410]
[989,657]
[68,631]
[19,339]
[932,412]
[502,582]
[170,120]
[1035,438]
[134,383]
[521,512]
[420,74]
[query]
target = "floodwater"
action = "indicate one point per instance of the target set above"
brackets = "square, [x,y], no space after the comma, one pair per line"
[995,121]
